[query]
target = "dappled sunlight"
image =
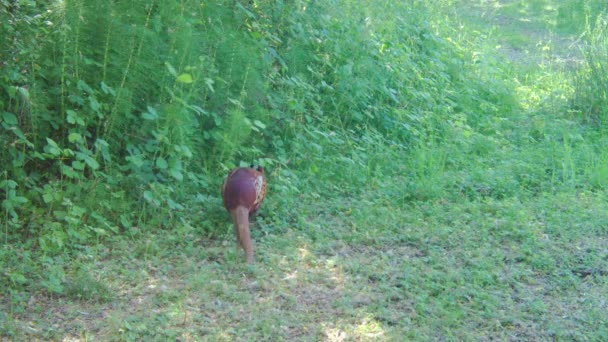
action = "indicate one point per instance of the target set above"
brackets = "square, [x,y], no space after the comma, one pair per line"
[334,334]
[308,266]
[304,253]
[369,328]
[547,83]
[365,329]
[318,285]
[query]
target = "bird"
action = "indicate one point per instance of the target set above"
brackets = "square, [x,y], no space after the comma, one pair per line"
[243,192]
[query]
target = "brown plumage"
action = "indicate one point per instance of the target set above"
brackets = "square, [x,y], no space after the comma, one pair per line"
[243,192]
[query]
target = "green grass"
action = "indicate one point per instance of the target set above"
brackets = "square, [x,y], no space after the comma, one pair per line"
[507,269]
[492,227]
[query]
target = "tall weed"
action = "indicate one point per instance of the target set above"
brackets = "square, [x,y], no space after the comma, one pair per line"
[591,98]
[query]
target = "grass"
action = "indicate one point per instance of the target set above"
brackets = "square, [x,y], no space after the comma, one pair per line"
[507,269]
[502,237]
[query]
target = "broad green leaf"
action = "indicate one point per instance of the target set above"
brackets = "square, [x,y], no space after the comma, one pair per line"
[21,136]
[92,163]
[9,183]
[183,150]
[48,197]
[137,161]
[94,104]
[9,118]
[184,78]
[73,117]
[176,173]
[19,199]
[161,163]
[77,210]
[52,147]
[74,137]
[151,114]
[78,165]
[69,172]
[24,92]
[148,196]
[76,99]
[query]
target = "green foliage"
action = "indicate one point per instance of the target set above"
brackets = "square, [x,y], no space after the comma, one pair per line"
[147,100]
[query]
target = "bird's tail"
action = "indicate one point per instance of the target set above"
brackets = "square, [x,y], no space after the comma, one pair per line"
[240,216]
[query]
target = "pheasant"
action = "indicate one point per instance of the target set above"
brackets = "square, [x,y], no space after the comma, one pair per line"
[243,192]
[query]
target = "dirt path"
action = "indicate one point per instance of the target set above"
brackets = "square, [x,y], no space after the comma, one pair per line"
[529,36]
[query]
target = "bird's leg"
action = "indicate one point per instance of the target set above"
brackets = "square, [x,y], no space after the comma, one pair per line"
[238,238]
